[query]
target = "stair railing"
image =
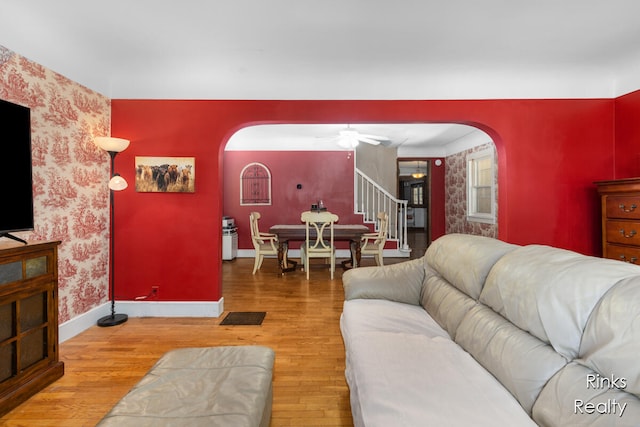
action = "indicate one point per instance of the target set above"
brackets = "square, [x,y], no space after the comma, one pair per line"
[370,199]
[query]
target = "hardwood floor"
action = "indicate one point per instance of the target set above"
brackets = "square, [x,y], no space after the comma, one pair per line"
[417,240]
[301,325]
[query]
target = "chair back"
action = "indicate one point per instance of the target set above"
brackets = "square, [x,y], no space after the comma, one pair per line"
[373,243]
[383,228]
[316,223]
[255,230]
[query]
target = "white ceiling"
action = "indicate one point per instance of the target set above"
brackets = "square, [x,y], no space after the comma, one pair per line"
[410,139]
[333,49]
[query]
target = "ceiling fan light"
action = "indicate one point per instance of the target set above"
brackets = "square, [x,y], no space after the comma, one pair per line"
[350,138]
[346,141]
[349,133]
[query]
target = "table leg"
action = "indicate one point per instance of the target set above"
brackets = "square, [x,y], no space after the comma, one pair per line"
[354,249]
[356,245]
[286,265]
[281,250]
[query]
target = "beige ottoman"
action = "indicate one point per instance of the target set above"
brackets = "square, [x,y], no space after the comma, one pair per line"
[213,386]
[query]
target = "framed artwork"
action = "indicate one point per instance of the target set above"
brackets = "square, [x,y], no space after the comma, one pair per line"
[255,185]
[165,174]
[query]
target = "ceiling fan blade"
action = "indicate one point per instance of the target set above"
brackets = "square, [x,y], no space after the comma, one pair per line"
[368,140]
[377,137]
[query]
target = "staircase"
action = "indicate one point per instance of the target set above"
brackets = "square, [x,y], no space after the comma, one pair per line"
[370,199]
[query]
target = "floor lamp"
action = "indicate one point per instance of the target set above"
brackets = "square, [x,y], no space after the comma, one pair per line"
[113,146]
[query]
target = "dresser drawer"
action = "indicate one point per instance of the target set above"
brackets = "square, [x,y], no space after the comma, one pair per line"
[624,253]
[625,232]
[623,207]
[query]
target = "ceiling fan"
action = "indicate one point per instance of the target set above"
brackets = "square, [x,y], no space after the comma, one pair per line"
[350,138]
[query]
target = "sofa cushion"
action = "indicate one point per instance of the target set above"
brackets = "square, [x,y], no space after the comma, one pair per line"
[361,316]
[565,399]
[446,304]
[611,340]
[551,292]
[397,282]
[607,373]
[465,260]
[521,362]
[407,380]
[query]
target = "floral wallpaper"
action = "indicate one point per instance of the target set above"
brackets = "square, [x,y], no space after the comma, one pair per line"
[70,176]
[456,196]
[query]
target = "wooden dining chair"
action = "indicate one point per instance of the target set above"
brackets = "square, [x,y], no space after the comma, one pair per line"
[317,243]
[373,243]
[263,243]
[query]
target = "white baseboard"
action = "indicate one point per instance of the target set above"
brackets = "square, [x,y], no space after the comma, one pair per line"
[78,324]
[340,253]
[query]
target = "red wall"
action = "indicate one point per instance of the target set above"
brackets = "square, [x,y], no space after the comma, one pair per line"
[325,175]
[549,153]
[627,141]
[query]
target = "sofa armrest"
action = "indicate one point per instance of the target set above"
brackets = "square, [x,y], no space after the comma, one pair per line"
[396,282]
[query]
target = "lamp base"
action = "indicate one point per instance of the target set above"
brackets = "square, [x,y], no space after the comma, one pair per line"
[112,320]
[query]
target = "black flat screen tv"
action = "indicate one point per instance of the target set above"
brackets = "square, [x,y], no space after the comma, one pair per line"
[16,188]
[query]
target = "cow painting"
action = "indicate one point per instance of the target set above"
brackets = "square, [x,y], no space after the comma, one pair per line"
[165,174]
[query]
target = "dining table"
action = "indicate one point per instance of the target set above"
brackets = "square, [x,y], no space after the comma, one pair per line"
[297,232]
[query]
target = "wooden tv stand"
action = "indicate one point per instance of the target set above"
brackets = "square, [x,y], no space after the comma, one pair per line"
[28,320]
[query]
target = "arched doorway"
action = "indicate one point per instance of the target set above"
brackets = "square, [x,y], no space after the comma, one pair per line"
[434,145]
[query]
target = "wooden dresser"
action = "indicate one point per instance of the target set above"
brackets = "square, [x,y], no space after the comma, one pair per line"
[620,219]
[28,320]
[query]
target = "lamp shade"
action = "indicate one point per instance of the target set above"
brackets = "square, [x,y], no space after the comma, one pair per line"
[108,143]
[118,183]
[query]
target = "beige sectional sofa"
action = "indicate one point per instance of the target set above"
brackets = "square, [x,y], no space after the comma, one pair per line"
[484,333]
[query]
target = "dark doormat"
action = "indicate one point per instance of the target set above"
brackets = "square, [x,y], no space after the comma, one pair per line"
[244,318]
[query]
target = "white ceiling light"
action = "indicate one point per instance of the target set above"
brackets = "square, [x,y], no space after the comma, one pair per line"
[350,138]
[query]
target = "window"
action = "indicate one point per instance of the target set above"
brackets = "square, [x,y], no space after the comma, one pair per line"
[481,191]
[255,185]
[417,194]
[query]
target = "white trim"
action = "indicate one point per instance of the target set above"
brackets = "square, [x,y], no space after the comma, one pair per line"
[482,219]
[394,253]
[79,324]
[475,216]
[172,308]
[340,253]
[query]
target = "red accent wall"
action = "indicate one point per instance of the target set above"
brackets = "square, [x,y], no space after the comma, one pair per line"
[549,154]
[326,175]
[627,140]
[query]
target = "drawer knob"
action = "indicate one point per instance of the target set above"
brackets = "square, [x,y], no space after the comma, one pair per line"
[629,209]
[627,236]
[631,260]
